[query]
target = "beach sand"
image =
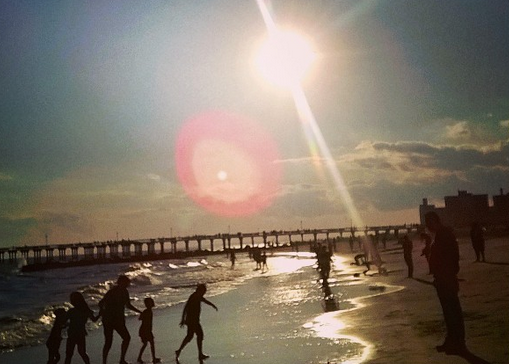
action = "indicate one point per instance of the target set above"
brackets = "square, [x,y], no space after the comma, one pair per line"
[271,319]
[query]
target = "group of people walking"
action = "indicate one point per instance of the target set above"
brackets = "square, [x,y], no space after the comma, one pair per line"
[111,311]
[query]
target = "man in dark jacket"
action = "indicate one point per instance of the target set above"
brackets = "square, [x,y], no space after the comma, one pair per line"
[444,265]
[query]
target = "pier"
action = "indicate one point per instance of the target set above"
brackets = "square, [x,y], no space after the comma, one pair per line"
[41,257]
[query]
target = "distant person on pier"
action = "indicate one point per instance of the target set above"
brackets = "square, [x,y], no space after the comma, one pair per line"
[55,336]
[444,265]
[191,318]
[477,237]
[113,316]
[77,332]
[145,332]
[407,255]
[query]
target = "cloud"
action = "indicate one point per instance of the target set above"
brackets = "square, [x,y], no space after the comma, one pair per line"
[396,175]
[459,130]
[11,229]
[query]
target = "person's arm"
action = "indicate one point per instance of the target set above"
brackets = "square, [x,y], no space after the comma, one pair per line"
[93,317]
[204,300]
[184,315]
[130,306]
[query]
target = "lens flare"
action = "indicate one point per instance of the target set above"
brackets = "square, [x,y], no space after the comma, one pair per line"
[227,164]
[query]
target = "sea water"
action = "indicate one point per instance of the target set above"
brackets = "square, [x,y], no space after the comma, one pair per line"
[287,299]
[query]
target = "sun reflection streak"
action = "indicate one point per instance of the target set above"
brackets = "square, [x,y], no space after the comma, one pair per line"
[317,145]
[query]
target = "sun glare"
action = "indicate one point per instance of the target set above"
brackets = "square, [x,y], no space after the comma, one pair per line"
[284,58]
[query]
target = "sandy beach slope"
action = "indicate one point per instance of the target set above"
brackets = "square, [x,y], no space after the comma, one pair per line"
[262,321]
[405,326]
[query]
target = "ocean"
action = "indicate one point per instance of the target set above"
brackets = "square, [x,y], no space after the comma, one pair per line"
[27,300]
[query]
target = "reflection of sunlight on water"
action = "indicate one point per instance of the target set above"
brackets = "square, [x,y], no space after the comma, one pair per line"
[327,326]
[281,264]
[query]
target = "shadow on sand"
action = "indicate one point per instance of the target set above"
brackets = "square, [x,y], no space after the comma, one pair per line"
[497,263]
[472,358]
[423,281]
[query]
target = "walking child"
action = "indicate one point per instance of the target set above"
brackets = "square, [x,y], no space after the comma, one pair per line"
[55,336]
[191,318]
[145,332]
[76,332]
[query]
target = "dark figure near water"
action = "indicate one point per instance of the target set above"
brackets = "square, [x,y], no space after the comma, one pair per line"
[444,265]
[113,316]
[55,336]
[145,332]
[191,318]
[77,332]
[477,237]
[407,254]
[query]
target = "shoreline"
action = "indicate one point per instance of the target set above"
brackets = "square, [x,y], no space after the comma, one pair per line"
[399,326]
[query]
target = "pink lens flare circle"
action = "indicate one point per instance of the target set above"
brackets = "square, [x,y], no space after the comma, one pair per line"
[227,164]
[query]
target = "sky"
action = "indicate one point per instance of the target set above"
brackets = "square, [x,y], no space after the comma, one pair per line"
[135,119]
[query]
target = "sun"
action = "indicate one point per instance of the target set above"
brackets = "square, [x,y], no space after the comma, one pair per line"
[284,57]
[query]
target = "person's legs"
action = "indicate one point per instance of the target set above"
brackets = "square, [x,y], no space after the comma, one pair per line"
[82,349]
[187,339]
[453,315]
[199,342]
[108,340]
[142,349]
[153,351]
[126,339]
[69,350]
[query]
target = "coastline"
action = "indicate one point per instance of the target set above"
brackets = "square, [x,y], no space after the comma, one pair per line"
[399,326]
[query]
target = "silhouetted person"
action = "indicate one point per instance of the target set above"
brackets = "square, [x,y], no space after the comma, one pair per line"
[426,239]
[407,255]
[477,237]
[233,258]
[112,311]
[191,318]
[324,262]
[55,336]
[444,265]
[360,259]
[263,262]
[77,332]
[350,241]
[145,332]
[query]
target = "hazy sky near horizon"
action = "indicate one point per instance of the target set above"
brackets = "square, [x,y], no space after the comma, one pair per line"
[146,119]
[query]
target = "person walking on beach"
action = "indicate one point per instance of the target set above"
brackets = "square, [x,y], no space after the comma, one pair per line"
[112,311]
[191,318]
[55,336]
[145,331]
[407,255]
[444,265]
[477,237]
[77,332]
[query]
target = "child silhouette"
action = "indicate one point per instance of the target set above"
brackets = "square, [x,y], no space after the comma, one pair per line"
[55,336]
[76,332]
[145,332]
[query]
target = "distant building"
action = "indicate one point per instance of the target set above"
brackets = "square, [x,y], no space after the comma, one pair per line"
[465,208]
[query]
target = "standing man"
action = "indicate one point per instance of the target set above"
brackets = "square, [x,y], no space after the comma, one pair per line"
[191,318]
[444,265]
[112,311]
